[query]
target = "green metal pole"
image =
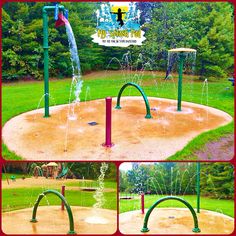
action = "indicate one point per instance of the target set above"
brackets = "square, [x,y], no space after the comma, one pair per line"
[181,65]
[46,60]
[198,187]
[46,57]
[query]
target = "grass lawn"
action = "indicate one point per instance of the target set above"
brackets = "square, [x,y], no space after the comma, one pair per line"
[222,206]
[21,97]
[81,183]
[17,176]
[107,184]
[20,198]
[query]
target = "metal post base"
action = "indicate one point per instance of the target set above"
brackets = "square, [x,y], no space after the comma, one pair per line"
[108,145]
[33,221]
[148,116]
[145,230]
[196,230]
[71,232]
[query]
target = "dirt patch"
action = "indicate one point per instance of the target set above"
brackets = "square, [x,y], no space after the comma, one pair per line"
[223,149]
[36,138]
[41,182]
[106,190]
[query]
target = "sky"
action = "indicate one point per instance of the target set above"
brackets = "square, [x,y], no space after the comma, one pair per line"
[128,165]
[120,3]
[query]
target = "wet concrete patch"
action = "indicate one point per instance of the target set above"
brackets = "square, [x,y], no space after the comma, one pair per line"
[52,220]
[175,221]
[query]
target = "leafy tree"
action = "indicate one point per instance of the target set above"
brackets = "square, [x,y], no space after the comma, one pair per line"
[123,183]
[138,178]
[207,26]
[214,39]
[217,179]
[88,170]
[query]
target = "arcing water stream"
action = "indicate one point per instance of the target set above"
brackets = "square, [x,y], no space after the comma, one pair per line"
[76,83]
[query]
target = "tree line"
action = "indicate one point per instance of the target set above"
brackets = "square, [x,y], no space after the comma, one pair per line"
[88,170]
[207,27]
[216,179]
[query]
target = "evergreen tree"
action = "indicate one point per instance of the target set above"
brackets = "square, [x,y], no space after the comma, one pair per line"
[207,27]
[216,179]
[213,39]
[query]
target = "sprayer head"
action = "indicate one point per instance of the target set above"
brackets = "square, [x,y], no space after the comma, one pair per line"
[61,21]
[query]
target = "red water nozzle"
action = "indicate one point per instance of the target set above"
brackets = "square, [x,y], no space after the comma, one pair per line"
[61,21]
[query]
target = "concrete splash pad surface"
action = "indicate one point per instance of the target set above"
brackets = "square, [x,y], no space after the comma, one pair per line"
[36,138]
[175,221]
[51,220]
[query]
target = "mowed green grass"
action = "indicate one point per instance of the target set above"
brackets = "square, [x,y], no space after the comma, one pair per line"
[107,184]
[6,176]
[20,198]
[222,206]
[24,96]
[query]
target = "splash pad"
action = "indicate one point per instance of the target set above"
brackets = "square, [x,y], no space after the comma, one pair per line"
[175,221]
[76,131]
[51,220]
[63,218]
[31,136]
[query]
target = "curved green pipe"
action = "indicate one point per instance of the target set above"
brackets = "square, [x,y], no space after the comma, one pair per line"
[70,215]
[145,223]
[148,110]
